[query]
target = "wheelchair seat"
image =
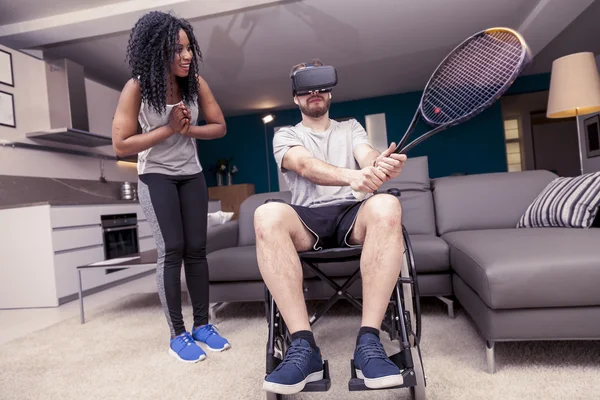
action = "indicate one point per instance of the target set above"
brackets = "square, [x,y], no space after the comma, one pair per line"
[334,255]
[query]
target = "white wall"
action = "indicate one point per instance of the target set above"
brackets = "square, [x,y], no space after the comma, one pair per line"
[32,114]
[101,103]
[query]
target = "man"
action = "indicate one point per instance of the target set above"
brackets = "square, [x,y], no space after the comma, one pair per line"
[323,161]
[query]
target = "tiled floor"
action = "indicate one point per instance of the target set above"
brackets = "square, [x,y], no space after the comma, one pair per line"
[18,323]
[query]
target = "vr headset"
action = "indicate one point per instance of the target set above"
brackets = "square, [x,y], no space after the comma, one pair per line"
[313,79]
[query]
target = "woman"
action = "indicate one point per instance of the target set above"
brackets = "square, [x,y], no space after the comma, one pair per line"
[166,94]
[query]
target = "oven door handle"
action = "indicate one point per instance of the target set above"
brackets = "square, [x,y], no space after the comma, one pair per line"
[121,228]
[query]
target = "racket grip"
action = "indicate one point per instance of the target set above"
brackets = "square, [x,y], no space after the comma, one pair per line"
[359,195]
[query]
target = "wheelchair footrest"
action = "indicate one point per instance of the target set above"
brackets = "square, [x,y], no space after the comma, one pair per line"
[320,386]
[357,384]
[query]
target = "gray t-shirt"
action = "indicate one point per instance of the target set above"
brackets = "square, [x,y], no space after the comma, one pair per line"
[176,155]
[334,146]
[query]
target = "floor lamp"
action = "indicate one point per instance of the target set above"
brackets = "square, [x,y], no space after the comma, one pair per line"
[574,90]
[266,119]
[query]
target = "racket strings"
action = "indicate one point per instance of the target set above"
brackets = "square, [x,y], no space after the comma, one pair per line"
[463,96]
[472,76]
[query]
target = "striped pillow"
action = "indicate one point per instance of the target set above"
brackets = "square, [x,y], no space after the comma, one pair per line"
[570,202]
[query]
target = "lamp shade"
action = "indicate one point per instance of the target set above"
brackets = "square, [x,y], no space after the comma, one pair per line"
[574,86]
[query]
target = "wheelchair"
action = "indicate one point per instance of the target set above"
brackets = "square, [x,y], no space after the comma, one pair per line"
[402,321]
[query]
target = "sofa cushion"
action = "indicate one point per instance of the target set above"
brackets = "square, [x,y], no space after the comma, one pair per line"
[417,201]
[432,254]
[246,217]
[240,264]
[528,268]
[485,201]
[233,264]
[569,202]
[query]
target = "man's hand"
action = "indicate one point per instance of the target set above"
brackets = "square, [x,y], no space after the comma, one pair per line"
[367,180]
[390,163]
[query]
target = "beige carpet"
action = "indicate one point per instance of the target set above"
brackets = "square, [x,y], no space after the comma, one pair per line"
[121,353]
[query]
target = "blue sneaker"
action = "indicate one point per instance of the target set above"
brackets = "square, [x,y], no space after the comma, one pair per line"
[185,349]
[301,365]
[373,366]
[208,334]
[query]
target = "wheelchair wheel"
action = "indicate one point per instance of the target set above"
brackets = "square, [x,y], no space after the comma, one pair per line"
[418,392]
[409,298]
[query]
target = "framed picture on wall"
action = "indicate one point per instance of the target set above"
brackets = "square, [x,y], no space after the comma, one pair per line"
[591,127]
[7,110]
[6,69]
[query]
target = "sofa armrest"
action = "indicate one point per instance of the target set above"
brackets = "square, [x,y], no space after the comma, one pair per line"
[222,236]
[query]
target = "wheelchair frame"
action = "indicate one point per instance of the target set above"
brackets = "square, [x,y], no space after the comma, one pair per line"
[404,302]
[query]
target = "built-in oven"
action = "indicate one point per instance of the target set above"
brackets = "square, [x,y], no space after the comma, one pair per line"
[120,236]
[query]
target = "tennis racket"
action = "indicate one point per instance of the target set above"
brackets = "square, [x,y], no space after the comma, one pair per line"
[468,81]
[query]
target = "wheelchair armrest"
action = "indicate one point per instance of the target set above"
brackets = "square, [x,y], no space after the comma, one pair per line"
[395,191]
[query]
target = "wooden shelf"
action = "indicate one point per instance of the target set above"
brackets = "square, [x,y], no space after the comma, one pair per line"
[231,196]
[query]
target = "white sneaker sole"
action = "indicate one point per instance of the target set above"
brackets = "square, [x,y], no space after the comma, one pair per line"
[226,347]
[171,352]
[379,383]
[292,389]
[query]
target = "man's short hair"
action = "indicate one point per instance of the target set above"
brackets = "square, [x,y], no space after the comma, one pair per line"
[315,62]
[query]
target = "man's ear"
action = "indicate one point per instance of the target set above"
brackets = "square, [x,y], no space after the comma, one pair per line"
[296,100]
[330,95]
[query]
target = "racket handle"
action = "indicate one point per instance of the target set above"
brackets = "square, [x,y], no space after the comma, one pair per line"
[359,195]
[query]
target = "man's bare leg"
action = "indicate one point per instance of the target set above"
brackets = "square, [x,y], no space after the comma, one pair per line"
[279,236]
[378,228]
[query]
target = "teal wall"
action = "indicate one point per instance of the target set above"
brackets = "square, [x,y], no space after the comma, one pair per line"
[474,147]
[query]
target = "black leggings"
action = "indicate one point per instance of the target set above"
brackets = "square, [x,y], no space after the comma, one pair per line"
[176,208]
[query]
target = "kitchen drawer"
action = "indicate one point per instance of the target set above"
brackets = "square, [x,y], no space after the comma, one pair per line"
[147,244]
[70,216]
[144,230]
[76,238]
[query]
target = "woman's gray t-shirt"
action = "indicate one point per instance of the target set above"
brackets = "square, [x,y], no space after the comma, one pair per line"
[176,155]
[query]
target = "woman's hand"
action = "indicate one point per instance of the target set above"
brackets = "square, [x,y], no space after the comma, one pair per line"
[186,129]
[188,117]
[179,117]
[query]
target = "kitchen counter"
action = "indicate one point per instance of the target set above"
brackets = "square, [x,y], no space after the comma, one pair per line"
[24,191]
[91,202]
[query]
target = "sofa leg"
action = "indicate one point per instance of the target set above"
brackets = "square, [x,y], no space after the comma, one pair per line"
[212,311]
[449,303]
[491,358]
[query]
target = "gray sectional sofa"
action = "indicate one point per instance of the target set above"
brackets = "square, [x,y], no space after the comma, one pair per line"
[514,283]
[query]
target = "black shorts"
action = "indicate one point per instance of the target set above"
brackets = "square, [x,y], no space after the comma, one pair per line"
[331,225]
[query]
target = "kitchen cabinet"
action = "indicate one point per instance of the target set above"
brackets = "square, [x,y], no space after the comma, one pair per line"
[42,246]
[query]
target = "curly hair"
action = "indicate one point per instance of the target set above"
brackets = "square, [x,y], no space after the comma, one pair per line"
[150,52]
